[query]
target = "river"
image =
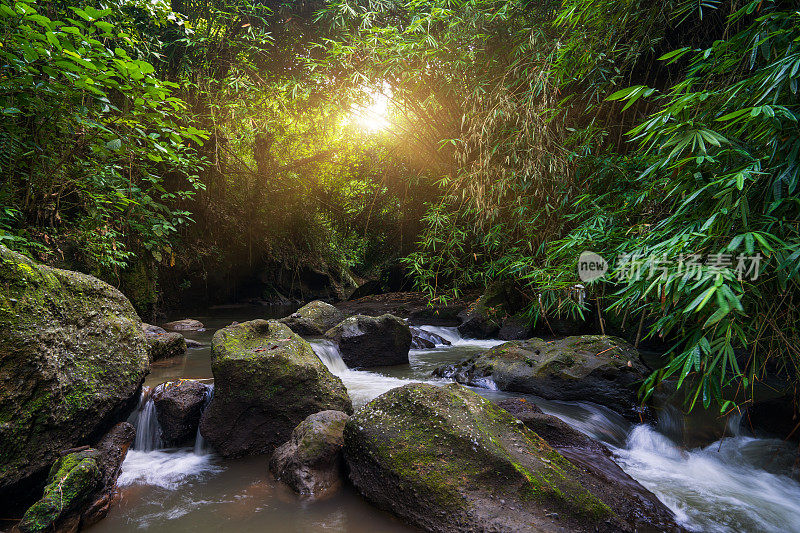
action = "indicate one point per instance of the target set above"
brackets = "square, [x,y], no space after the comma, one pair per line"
[736,484]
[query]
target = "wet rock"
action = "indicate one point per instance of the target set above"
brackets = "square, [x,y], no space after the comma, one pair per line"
[598,472]
[421,339]
[775,417]
[314,318]
[71,482]
[311,461]
[266,381]
[366,341]
[72,359]
[447,460]
[193,344]
[81,485]
[187,324]
[165,345]
[595,368]
[515,327]
[179,406]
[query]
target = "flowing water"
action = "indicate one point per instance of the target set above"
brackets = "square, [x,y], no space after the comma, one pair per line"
[735,484]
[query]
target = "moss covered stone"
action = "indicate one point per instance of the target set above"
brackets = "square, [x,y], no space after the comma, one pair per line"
[597,368]
[266,381]
[314,318]
[72,480]
[72,357]
[447,460]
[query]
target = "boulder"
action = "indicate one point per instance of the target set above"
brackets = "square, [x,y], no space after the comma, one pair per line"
[483,318]
[186,324]
[594,368]
[515,327]
[81,485]
[421,339]
[366,341]
[314,318]
[599,473]
[447,460]
[311,461]
[72,360]
[165,345]
[192,344]
[179,405]
[266,381]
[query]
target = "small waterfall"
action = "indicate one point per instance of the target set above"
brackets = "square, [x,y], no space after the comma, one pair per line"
[200,447]
[329,354]
[148,432]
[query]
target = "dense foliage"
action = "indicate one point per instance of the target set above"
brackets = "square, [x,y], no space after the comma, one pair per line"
[210,142]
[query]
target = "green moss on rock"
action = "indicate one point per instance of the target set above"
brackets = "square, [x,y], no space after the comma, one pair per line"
[446,459]
[266,381]
[72,356]
[72,480]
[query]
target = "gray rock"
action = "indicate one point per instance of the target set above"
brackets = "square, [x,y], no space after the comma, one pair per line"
[266,381]
[366,341]
[311,461]
[515,327]
[72,359]
[186,324]
[165,345]
[314,318]
[595,368]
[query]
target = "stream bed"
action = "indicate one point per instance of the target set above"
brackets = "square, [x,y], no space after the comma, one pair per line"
[737,484]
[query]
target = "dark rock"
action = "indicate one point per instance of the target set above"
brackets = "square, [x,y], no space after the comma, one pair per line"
[72,359]
[446,316]
[165,345]
[447,460]
[367,288]
[179,405]
[314,318]
[776,417]
[595,368]
[482,319]
[311,461]
[192,344]
[599,473]
[515,327]
[366,341]
[421,339]
[266,381]
[187,324]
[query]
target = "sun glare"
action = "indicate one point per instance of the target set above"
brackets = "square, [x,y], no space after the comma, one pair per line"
[373,114]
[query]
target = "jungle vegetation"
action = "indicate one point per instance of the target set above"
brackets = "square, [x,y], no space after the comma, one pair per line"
[473,141]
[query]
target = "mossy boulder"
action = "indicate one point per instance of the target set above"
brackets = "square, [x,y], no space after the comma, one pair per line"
[447,460]
[314,318]
[72,359]
[165,345]
[367,341]
[595,368]
[311,461]
[179,405]
[72,480]
[266,381]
